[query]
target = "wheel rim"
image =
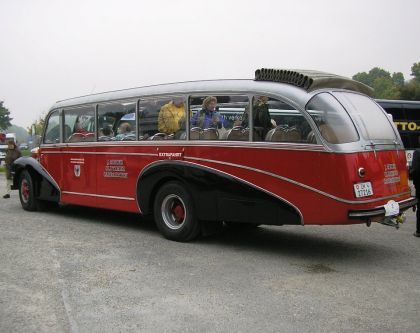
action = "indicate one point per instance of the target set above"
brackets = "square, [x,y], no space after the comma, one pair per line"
[24,190]
[174,212]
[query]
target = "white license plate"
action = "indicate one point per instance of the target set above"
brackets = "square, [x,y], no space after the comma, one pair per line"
[363,189]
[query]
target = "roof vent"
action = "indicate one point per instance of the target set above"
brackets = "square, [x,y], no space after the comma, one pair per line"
[311,80]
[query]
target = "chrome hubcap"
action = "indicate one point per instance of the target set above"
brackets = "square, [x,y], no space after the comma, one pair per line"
[174,212]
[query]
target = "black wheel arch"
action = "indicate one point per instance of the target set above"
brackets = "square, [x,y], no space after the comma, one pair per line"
[217,196]
[45,186]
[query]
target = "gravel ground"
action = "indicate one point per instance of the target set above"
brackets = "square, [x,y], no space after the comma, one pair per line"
[78,269]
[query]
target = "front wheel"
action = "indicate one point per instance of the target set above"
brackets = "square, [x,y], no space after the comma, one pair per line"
[174,213]
[27,191]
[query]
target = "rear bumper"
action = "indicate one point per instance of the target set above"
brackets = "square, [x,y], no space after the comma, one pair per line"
[363,214]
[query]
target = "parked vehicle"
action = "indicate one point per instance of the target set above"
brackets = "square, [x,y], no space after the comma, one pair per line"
[328,155]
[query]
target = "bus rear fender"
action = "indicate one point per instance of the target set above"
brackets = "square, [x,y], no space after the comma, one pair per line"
[217,196]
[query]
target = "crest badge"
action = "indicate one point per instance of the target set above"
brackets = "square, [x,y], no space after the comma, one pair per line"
[77,170]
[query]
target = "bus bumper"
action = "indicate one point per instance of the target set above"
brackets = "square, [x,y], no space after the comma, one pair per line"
[375,214]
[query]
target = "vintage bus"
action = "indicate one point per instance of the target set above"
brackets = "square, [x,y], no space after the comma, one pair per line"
[406,117]
[285,148]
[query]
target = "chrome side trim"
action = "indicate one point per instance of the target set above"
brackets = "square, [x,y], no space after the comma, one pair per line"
[99,196]
[298,183]
[197,143]
[98,153]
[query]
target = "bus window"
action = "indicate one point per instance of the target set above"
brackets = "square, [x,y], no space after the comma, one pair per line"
[117,121]
[52,133]
[218,118]
[79,124]
[332,120]
[371,120]
[162,118]
[277,121]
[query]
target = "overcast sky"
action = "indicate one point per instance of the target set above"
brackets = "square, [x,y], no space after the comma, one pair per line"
[54,49]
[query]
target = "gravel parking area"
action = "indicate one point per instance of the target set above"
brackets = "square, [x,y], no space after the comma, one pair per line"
[78,269]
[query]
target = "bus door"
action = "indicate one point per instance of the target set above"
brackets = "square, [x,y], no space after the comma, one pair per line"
[50,157]
[78,156]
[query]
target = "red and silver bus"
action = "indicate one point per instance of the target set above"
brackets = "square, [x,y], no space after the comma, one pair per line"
[323,153]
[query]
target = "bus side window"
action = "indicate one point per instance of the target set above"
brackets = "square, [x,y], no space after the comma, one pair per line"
[81,122]
[117,121]
[277,121]
[162,118]
[218,117]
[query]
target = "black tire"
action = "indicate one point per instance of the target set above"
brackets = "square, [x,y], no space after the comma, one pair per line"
[174,213]
[27,192]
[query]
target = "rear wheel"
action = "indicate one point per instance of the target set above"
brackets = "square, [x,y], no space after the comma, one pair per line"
[27,191]
[174,213]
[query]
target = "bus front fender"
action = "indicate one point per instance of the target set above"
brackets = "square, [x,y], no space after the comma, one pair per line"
[46,185]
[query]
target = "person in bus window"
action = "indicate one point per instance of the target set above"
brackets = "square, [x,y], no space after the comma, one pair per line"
[78,128]
[171,116]
[12,153]
[208,117]
[123,131]
[415,169]
[261,116]
[106,133]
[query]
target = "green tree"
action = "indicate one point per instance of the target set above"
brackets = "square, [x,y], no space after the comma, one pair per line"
[398,79]
[415,71]
[5,120]
[374,73]
[37,126]
[384,85]
[411,90]
[385,88]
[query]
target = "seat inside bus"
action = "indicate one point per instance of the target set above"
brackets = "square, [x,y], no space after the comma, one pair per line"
[284,134]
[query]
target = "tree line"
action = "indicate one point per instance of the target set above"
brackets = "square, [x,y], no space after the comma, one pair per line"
[387,86]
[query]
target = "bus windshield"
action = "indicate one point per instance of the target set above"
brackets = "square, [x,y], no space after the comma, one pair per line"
[373,122]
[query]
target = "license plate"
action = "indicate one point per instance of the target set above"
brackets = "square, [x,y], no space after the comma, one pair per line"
[363,189]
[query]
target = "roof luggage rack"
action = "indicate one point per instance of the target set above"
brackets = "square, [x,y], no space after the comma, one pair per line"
[311,80]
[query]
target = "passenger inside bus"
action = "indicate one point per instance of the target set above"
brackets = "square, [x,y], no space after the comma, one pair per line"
[124,132]
[261,117]
[171,116]
[106,134]
[208,116]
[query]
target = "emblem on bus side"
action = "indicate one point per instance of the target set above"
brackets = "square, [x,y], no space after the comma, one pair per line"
[77,170]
